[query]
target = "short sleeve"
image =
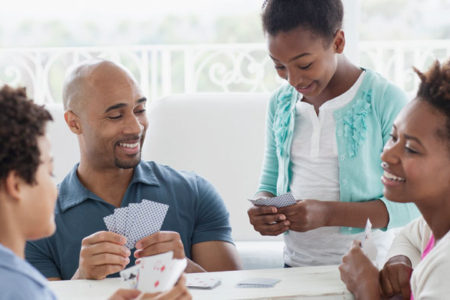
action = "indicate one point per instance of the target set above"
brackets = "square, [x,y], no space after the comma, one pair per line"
[212,218]
[38,254]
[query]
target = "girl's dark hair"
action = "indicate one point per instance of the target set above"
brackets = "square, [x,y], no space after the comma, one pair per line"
[21,123]
[322,17]
[435,90]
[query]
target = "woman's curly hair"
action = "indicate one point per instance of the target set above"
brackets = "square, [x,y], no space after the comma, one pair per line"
[435,90]
[21,123]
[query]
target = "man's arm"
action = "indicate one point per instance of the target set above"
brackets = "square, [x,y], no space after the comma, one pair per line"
[37,253]
[215,256]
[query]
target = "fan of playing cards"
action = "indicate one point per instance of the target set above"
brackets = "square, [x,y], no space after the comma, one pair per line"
[137,220]
[157,273]
[280,201]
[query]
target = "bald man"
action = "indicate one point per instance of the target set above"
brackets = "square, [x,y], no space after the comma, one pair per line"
[105,108]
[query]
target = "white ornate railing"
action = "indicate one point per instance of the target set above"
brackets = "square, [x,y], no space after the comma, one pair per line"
[163,70]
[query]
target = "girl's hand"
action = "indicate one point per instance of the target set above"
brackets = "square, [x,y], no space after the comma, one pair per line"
[267,221]
[306,215]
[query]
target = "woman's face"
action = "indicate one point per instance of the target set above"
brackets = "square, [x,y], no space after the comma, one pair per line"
[39,199]
[306,60]
[417,157]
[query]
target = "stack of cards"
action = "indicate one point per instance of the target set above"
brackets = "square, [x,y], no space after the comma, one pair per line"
[258,283]
[280,201]
[137,220]
[157,273]
[201,282]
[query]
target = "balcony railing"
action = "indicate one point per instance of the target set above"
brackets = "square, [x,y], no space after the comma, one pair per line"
[164,70]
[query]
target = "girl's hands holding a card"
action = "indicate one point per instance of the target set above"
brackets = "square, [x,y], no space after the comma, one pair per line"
[306,215]
[268,220]
[102,253]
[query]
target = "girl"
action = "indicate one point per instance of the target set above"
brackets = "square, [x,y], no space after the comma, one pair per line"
[325,132]
[416,163]
[28,197]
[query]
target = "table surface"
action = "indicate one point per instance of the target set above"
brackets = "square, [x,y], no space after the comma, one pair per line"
[321,282]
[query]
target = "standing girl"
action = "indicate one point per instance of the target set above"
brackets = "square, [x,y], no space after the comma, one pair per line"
[324,136]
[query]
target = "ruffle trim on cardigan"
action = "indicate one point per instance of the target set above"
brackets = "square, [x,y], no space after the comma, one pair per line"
[354,121]
[282,120]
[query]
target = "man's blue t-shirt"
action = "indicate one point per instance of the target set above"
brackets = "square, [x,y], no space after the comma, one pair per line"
[196,212]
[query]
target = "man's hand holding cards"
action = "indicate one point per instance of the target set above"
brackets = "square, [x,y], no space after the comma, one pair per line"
[107,252]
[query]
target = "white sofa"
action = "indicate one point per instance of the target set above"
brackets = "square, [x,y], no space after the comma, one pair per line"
[220,137]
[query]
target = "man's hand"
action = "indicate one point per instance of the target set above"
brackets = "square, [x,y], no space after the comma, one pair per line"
[359,274]
[267,220]
[102,253]
[395,276]
[160,242]
[306,215]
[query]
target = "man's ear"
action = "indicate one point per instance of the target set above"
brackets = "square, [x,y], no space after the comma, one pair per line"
[13,185]
[339,41]
[73,121]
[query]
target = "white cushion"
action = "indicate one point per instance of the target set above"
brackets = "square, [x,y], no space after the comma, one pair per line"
[220,137]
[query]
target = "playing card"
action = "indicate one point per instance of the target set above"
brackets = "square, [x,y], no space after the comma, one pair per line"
[137,220]
[159,272]
[121,215]
[155,273]
[132,223]
[131,275]
[147,218]
[258,283]
[198,282]
[367,243]
[279,201]
[109,222]
[174,271]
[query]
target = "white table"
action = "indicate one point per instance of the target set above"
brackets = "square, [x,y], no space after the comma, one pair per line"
[296,283]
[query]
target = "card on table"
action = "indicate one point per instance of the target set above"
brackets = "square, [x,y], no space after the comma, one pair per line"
[258,282]
[137,220]
[202,282]
[279,201]
[155,273]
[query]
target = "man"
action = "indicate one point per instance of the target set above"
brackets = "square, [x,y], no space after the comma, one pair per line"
[105,108]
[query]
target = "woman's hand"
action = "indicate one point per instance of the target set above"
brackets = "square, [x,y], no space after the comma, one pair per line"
[395,276]
[359,274]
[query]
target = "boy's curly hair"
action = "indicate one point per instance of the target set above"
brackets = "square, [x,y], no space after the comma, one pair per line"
[21,123]
[435,90]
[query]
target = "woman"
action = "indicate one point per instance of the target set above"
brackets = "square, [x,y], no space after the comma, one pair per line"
[416,163]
